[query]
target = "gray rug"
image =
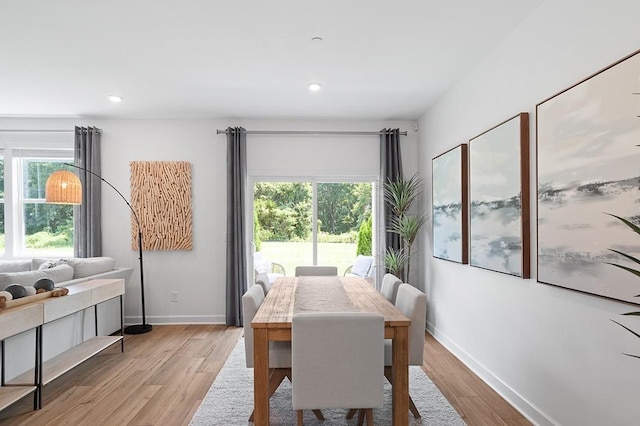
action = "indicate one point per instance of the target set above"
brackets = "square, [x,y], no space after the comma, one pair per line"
[229,401]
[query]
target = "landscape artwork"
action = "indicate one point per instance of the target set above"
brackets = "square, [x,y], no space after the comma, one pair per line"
[449,194]
[499,198]
[589,169]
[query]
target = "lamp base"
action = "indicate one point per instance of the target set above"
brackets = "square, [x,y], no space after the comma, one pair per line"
[138,329]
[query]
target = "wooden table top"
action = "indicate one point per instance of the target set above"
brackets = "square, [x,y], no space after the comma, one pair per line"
[277,308]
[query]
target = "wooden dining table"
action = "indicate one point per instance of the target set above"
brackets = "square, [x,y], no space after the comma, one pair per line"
[272,322]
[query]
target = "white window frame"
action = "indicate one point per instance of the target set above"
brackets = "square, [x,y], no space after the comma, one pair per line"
[13,153]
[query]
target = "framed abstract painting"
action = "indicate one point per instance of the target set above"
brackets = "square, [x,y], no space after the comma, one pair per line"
[589,169]
[499,227]
[449,195]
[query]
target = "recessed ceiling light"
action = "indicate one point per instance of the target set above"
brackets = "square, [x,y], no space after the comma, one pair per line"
[115,98]
[317,39]
[314,87]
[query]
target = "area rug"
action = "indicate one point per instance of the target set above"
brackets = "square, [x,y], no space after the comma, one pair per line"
[229,401]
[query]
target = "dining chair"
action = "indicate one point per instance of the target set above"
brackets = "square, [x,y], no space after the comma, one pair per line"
[389,287]
[337,358]
[279,352]
[316,271]
[263,281]
[413,303]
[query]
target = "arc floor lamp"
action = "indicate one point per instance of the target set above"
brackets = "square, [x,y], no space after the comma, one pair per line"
[64,187]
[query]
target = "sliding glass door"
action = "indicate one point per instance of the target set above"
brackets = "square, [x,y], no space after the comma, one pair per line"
[310,223]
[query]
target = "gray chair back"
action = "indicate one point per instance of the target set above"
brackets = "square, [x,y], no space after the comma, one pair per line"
[263,281]
[413,303]
[337,360]
[389,288]
[316,271]
[279,352]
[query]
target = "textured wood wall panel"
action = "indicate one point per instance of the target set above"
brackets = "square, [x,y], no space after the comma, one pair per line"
[161,195]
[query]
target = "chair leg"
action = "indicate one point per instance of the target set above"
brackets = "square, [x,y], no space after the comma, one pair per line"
[351,413]
[412,406]
[300,422]
[369,413]
[360,417]
[318,414]
[276,376]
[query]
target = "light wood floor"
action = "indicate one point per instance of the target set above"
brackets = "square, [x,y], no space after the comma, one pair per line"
[163,375]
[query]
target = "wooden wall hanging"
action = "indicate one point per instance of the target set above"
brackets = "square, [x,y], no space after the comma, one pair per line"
[161,196]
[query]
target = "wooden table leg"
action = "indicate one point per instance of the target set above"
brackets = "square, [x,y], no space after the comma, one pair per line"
[400,372]
[261,376]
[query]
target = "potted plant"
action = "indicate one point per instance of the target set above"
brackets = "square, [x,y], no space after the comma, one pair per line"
[400,195]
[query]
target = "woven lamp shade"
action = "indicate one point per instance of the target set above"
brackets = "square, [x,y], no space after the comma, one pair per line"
[63,187]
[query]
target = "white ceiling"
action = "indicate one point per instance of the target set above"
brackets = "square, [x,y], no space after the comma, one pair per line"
[380,59]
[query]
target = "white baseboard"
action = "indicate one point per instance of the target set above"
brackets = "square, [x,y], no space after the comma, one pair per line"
[528,410]
[178,319]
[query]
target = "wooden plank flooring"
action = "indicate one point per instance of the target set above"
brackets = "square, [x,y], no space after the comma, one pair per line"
[162,377]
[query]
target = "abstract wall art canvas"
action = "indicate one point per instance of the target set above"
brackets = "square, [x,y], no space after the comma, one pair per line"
[589,167]
[161,195]
[499,198]
[449,195]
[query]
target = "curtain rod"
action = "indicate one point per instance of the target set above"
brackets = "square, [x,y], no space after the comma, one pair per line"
[39,131]
[308,132]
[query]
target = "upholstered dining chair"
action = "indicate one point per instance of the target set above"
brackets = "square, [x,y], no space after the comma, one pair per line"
[413,303]
[279,352]
[389,287]
[316,271]
[339,368]
[263,281]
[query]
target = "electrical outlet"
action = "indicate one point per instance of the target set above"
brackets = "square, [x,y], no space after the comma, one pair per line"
[174,296]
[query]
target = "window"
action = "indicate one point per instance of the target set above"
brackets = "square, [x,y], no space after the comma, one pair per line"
[311,223]
[30,227]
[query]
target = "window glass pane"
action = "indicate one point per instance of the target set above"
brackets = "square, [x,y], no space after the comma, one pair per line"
[48,228]
[342,209]
[282,222]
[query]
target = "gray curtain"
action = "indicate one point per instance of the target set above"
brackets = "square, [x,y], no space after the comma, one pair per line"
[390,169]
[236,250]
[88,216]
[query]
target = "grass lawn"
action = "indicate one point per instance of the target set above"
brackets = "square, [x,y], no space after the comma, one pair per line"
[290,254]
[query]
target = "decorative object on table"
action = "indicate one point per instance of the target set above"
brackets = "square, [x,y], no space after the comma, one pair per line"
[8,300]
[499,198]
[63,187]
[449,194]
[161,192]
[400,194]
[588,156]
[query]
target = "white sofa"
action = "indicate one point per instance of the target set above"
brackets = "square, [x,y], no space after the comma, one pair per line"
[69,331]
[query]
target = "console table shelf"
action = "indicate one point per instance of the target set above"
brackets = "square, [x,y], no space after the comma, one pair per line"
[35,315]
[11,394]
[57,366]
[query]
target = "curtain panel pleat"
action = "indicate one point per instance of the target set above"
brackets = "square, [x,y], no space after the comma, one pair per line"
[88,215]
[390,170]
[236,263]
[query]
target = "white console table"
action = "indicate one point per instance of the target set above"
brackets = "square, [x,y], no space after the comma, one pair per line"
[81,296]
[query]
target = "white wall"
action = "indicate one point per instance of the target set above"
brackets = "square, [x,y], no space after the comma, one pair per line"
[199,275]
[552,352]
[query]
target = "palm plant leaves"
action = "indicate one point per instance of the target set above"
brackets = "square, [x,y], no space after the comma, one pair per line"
[395,261]
[407,226]
[401,193]
[636,272]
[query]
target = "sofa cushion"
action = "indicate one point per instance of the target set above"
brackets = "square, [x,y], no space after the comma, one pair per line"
[15,265]
[60,273]
[84,267]
[57,274]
